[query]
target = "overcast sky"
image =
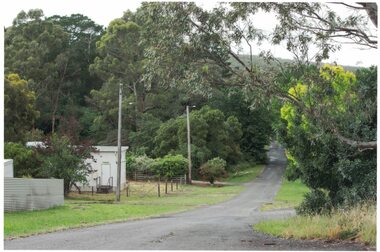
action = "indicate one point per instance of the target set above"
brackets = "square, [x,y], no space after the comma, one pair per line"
[102,12]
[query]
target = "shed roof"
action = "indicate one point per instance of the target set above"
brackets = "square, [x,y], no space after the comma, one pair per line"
[110,148]
[100,148]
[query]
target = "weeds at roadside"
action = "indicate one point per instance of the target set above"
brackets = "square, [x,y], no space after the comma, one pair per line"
[357,223]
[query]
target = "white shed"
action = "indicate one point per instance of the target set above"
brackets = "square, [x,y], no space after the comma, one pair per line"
[8,168]
[105,166]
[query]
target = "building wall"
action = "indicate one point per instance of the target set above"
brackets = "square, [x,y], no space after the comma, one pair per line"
[100,158]
[32,194]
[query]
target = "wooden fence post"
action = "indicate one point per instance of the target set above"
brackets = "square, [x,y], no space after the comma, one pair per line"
[158,187]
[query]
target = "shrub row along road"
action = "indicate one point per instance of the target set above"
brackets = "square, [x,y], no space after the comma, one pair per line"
[226,226]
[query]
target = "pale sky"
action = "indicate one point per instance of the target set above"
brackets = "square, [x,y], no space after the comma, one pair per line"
[102,12]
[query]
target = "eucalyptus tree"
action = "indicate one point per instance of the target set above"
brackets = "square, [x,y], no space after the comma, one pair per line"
[192,39]
[52,54]
[83,35]
[36,49]
[120,59]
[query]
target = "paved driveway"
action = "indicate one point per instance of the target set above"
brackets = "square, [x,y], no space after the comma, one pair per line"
[226,226]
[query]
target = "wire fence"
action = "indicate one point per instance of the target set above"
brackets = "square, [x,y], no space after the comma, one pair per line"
[145,184]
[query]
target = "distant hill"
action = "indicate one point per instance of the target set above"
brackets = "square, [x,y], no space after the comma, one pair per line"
[261,62]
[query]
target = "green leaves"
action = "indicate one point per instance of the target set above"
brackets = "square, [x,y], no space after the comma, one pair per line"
[211,136]
[213,169]
[170,166]
[61,159]
[19,104]
[25,160]
[315,153]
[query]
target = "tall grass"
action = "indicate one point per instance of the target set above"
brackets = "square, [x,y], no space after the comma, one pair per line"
[357,223]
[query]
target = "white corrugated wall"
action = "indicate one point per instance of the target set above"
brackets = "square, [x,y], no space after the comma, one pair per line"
[32,194]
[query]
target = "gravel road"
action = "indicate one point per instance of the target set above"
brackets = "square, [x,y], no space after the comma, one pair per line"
[226,226]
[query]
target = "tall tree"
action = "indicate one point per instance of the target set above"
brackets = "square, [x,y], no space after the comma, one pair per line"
[19,108]
[83,35]
[53,55]
[212,34]
[36,49]
[212,135]
[346,174]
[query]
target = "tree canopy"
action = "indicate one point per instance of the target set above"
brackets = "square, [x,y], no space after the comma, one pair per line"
[62,75]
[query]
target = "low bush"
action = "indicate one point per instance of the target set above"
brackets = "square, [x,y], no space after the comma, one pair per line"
[170,166]
[139,163]
[213,169]
[315,202]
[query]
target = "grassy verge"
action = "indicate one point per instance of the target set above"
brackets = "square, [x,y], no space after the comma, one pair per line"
[290,195]
[245,173]
[85,210]
[358,224]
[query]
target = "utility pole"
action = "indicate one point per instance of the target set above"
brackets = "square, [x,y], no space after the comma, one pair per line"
[188,144]
[119,147]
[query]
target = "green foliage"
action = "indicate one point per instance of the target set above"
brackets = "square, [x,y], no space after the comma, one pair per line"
[166,139]
[36,50]
[139,163]
[211,136]
[25,160]
[315,202]
[35,135]
[315,153]
[255,122]
[53,54]
[19,108]
[119,60]
[214,168]
[142,139]
[170,166]
[62,160]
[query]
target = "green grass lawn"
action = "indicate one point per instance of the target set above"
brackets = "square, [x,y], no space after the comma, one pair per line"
[358,223]
[248,173]
[290,195]
[86,210]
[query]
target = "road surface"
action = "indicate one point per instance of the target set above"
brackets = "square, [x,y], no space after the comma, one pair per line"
[226,226]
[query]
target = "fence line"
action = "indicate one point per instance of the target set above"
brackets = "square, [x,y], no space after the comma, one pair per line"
[144,184]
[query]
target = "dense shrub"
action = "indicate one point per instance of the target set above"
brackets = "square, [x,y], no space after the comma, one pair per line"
[25,160]
[170,166]
[63,160]
[315,202]
[213,169]
[138,163]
